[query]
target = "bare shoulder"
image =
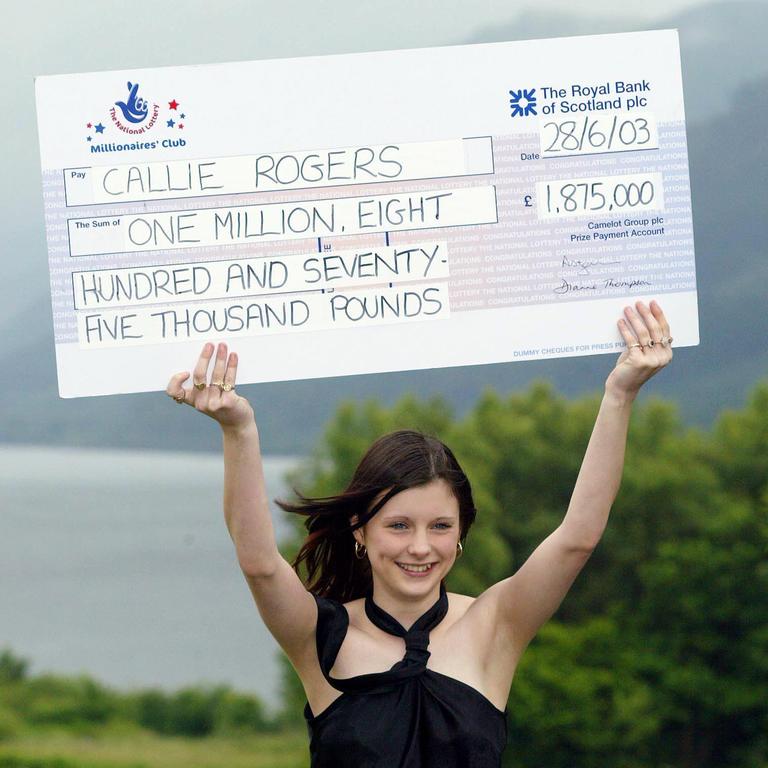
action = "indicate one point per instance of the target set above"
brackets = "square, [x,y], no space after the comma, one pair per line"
[491,665]
[477,623]
[459,604]
[483,612]
[355,608]
[470,615]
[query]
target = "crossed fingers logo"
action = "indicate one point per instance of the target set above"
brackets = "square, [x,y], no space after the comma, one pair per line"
[135,108]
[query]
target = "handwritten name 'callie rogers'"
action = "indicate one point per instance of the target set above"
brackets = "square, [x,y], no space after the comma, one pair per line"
[268,171]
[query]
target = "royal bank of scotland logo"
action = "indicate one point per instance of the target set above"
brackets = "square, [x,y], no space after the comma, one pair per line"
[523,102]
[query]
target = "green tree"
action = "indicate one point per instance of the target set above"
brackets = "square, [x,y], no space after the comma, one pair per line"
[12,667]
[200,711]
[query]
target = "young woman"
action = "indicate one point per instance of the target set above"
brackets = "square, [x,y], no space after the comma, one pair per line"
[398,672]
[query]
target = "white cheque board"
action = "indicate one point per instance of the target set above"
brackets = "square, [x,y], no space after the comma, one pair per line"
[368,212]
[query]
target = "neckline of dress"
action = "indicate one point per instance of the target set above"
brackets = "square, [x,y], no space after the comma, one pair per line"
[429,619]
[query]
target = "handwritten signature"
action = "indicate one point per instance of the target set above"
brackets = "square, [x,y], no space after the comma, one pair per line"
[567,287]
[583,266]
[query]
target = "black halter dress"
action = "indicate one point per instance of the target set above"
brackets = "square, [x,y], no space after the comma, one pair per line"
[406,717]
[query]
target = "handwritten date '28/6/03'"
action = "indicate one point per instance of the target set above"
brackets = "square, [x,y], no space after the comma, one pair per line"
[617,132]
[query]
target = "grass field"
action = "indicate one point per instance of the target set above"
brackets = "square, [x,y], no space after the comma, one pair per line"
[58,749]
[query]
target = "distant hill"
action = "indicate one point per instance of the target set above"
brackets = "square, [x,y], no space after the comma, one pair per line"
[728,155]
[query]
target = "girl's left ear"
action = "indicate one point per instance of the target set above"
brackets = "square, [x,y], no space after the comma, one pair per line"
[358,534]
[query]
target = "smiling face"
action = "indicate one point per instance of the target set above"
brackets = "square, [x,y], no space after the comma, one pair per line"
[416,527]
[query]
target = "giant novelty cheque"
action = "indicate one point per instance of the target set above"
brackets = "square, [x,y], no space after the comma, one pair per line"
[362,213]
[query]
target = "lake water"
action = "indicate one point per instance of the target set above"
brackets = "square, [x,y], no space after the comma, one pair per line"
[119,565]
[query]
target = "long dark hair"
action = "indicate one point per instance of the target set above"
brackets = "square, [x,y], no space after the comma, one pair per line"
[395,462]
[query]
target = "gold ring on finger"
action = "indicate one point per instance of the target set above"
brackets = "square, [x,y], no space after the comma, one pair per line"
[200,385]
[180,398]
[226,387]
[219,384]
[636,344]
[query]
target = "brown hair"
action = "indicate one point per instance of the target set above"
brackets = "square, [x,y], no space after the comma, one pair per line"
[395,462]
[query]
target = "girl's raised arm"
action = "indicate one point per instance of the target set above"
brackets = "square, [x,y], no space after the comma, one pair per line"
[272,581]
[521,603]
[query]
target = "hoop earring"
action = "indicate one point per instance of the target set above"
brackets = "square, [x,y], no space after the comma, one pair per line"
[359,549]
[460,550]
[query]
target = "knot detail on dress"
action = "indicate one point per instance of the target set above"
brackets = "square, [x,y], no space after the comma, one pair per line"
[416,647]
[417,640]
[417,637]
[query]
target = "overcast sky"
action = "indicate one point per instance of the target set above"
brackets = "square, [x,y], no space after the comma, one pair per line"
[49,36]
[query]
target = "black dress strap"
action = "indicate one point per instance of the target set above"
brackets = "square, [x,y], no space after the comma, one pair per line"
[332,623]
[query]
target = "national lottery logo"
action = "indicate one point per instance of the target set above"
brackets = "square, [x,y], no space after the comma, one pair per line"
[135,109]
[523,102]
[136,114]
